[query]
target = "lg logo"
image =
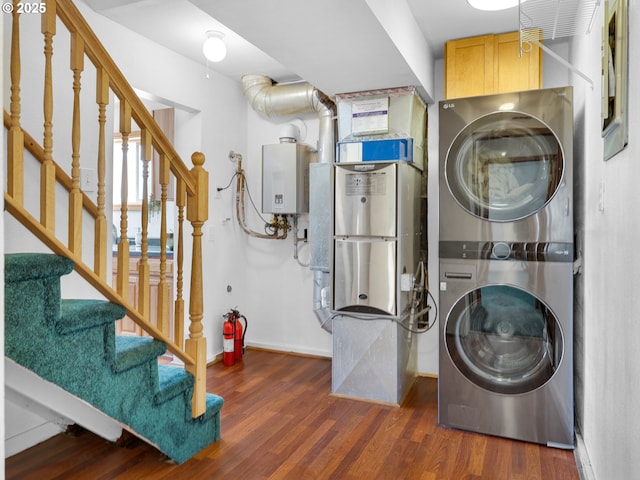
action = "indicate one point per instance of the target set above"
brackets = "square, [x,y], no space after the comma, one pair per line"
[448,105]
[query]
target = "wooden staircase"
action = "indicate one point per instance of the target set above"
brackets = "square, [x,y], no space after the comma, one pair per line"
[83,235]
[73,344]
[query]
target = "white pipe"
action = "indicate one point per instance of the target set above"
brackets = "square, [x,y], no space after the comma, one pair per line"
[293,99]
[277,100]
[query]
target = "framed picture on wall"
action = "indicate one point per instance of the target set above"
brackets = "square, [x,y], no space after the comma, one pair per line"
[615,77]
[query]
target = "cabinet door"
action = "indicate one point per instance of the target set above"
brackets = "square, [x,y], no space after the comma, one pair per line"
[469,68]
[514,72]
[491,64]
[126,326]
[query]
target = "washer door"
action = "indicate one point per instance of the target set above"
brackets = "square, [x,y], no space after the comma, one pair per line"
[504,166]
[503,339]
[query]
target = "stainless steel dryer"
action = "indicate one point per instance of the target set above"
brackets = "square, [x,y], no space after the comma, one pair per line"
[506,341]
[506,167]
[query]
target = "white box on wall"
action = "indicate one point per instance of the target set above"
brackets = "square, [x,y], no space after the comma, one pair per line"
[405,117]
[285,178]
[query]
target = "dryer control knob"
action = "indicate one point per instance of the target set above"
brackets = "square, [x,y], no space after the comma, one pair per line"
[501,250]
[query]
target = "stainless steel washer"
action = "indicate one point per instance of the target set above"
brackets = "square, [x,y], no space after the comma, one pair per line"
[506,330]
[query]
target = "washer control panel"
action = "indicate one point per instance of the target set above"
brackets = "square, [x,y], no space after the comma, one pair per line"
[498,250]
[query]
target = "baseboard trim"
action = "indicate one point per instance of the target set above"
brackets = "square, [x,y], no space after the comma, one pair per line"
[27,439]
[287,352]
[582,459]
[289,349]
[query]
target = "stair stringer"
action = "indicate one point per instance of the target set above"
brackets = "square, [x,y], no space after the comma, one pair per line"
[54,405]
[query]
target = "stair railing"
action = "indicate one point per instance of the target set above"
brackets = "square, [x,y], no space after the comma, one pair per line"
[191,189]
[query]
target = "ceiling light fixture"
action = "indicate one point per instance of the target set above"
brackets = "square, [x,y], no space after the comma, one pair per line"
[213,47]
[494,4]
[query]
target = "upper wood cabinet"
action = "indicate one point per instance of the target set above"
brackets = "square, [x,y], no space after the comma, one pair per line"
[490,64]
[468,67]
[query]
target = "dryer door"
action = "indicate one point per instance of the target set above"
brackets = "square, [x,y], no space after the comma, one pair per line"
[503,339]
[504,166]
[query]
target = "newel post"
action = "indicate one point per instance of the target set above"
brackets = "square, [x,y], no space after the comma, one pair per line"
[196,344]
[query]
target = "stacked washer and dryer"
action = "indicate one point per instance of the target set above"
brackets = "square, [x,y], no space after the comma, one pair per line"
[506,265]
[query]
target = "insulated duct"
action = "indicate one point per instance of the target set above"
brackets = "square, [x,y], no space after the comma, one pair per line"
[293,99]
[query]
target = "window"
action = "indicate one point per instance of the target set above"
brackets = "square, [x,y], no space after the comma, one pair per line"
[135,180]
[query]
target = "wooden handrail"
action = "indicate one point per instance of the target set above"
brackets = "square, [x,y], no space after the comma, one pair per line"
[191,194]
[85,272]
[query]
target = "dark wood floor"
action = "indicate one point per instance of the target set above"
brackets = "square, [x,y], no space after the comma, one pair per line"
[279,422]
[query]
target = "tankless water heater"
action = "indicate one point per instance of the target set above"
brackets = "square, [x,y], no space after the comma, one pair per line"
[285,178]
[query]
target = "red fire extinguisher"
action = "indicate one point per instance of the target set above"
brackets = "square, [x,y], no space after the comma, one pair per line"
[228,341]
[233,337]
[240,333]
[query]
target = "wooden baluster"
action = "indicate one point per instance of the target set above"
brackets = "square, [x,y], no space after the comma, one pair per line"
[122,281]
[75,195]
[15,137]
[196,344]
[144,295]
[178,254]
[163,288]
[48,169]
[100,239]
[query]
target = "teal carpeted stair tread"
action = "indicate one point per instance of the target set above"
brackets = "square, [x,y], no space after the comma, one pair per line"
[134,351]
[80,314]
[35,266]
[214,405]
[172,382]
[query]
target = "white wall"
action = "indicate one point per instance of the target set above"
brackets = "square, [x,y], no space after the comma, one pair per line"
[276,294]
[607,389]
[25,428]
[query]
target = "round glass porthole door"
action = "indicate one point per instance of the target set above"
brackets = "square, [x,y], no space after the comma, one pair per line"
[504,166]
[503,339]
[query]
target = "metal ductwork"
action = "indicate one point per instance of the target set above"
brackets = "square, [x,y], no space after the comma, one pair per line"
[294,99]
